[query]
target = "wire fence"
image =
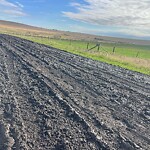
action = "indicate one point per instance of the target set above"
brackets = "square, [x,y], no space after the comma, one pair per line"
[91,46]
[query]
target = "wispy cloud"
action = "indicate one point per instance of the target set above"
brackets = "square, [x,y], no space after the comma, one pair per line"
[126,14]
[19,4]
[12,9]
[138,32]
[14,13]
[7,4]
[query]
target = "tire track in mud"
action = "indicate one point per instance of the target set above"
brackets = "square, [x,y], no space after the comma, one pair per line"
[107,112]
[14,124]
[96,122]
[6,140]
[71,113]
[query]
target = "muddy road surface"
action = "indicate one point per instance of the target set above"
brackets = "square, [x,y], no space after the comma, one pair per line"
[54,100]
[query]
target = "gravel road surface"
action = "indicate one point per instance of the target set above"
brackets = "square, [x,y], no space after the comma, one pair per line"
[54,100]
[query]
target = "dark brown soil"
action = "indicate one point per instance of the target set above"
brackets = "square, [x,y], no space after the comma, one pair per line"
[54,100]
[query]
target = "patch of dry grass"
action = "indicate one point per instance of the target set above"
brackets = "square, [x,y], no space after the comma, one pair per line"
[138,62]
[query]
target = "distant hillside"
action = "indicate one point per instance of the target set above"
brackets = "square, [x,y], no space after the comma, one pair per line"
[13,26]
[19,25]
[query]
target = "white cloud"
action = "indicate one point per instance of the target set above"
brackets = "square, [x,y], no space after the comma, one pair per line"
[138,32]
[15,13]
[19,4]
[122,14]
[11,9]
[127,32]
[6,3]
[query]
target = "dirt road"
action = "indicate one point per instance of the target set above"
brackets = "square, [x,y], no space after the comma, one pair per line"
[54,100]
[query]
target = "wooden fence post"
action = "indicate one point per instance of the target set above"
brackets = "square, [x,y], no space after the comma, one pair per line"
[87,46]
[70,42]
[137,54]
[98,47]
[114,49]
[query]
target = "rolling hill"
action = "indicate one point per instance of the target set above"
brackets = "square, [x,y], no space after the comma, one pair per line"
[28,29]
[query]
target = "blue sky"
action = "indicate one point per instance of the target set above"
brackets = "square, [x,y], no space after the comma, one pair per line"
[129,18]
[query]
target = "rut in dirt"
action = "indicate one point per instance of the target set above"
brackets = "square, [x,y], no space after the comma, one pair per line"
[51,99]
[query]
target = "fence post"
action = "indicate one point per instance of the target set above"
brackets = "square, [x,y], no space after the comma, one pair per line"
[87,46]
[70,42]
[98,47]
[137,54]
[114,49]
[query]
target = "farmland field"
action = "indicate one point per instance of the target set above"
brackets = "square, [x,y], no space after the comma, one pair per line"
[54,100]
